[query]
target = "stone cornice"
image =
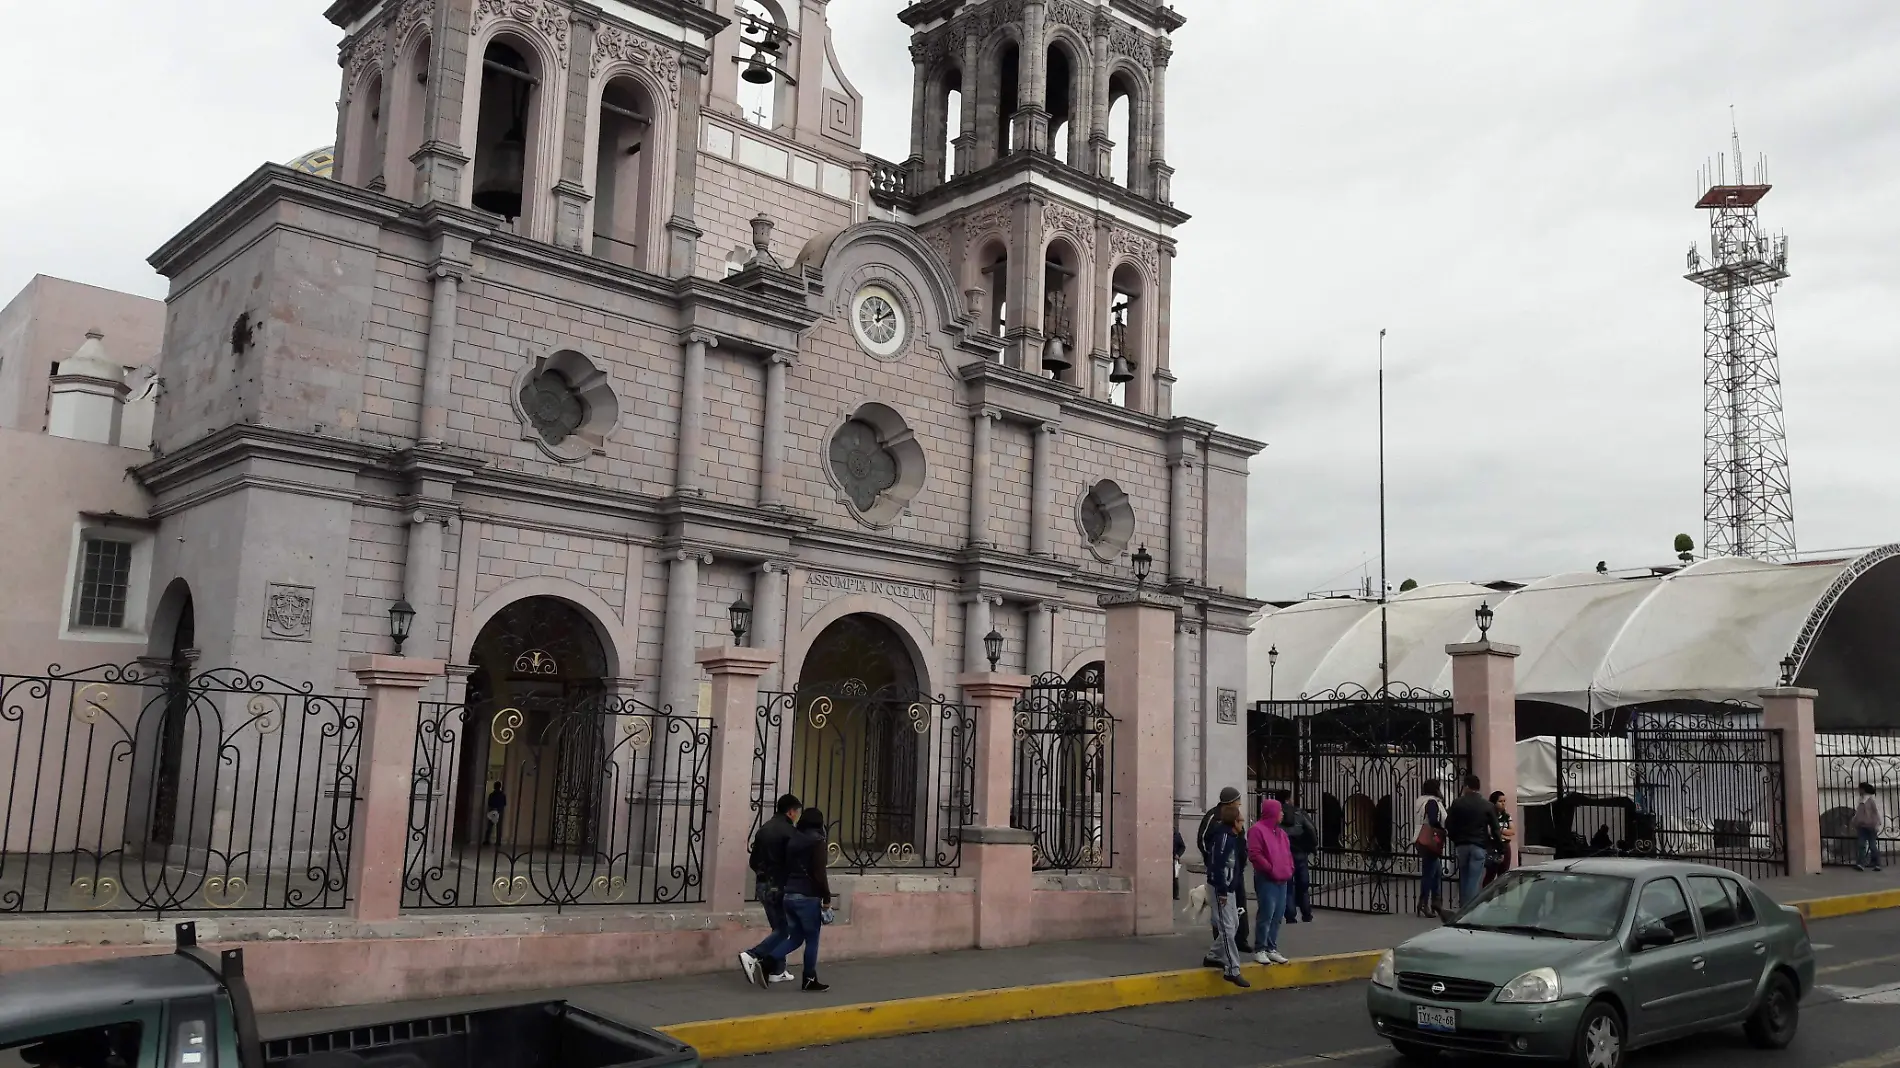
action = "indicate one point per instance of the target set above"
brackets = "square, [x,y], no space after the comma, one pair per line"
[264,187]
[697,294]
[232,444]
[1146,597]
[1018,164]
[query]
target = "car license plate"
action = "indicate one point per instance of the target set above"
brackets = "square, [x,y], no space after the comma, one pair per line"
[1430,1019]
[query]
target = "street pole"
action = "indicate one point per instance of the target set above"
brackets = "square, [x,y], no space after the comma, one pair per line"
[1385,649]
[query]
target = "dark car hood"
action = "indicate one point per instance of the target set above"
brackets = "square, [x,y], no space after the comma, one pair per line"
[1495,957]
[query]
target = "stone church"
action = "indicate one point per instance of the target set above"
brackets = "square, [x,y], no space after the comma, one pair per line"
[597,321]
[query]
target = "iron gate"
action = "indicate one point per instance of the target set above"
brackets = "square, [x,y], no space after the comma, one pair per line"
[1844,760]
[1357,762]
[1694,788]
[891,769]
[1063,778]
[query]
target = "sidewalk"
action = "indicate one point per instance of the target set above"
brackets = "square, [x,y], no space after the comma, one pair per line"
[911,990]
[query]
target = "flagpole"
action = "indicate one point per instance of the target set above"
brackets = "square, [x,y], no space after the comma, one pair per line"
[1385,649]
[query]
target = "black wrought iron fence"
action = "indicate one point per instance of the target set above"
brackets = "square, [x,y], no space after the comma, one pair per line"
[1709,793]
[143,789]
[590,800]
[892,771]
[1359,762]
[1063,780]
[1845,763]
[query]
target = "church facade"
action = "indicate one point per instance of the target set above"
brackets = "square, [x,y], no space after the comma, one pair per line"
[598,333]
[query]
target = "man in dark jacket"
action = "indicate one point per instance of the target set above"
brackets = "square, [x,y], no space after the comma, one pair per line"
[1470,825]
[1228,796]
[1304,838]
[768,870]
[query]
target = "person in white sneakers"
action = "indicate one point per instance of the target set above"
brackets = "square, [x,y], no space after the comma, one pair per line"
[1271,856]
[1867,821]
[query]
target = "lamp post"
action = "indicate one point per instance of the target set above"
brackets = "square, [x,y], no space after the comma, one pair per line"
[1485,616]
[993,648]
[1788,667]
[740,614]
[401,616]
[1273,666]
[1143,562]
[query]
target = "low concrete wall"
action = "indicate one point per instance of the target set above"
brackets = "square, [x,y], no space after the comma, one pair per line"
[309,962]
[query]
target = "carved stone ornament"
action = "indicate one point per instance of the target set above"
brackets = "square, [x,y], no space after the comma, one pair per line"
[409,15]
[861,463]
[982,224]
[1071,13]
[939,240]
[1145,251]
[614,44]
[289,612]
[1125,40]
[366,54]
[1227,706]
[544,16]
[1067,220]
[978,24]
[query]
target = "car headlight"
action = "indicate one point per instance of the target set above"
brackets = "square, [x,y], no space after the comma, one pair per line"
[1539,986]
[1382,974]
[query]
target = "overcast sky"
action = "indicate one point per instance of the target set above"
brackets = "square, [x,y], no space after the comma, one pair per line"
[1506,187]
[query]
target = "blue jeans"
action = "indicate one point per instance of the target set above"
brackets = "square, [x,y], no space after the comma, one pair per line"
[803,920]
[1270,906]
[772,899]
[1869,851]
[1299,901]
[1470,861]
[1430,869]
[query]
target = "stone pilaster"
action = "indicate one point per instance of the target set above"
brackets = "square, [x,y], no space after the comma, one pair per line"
[682,233]
[1187,788]
[769,586]
[679,680]
[772,435]
[735,722]
[386,761]
[1042,487]
[1038,626]
[1101,162]
[1484,687]
[692,413]
[438,369]
[982,463]
[977,622]
[1790,710]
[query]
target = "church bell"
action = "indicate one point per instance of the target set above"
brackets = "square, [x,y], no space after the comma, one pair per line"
[1055,355]
[1120,371]
[500,170]
[759,69]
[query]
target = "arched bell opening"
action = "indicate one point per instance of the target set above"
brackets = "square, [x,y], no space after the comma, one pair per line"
[506,133]
[623,173]
[1061,270]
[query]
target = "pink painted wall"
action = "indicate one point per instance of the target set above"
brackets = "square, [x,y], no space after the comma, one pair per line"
[47,321]
[289,974]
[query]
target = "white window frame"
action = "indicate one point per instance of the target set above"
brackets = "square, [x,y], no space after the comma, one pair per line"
[138,583]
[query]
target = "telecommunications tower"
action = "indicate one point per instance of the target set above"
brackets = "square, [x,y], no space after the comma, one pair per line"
[1747,501]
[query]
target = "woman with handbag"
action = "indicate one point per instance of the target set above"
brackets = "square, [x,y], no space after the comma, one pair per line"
[1428,822]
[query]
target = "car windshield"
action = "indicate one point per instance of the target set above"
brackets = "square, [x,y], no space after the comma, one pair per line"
[1558,903]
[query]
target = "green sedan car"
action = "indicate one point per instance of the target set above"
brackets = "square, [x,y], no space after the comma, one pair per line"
[1583,961]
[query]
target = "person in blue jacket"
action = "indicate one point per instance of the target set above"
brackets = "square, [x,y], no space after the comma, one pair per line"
[1226,867]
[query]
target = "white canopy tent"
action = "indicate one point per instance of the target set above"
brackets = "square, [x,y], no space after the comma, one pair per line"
[1714,631]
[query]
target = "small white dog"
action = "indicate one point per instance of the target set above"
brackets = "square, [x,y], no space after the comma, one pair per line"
[1197,902]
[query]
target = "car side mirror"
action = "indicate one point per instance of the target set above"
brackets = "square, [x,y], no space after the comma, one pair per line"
[1651,935]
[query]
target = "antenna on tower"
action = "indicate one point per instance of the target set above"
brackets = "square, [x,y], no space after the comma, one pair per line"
[1747,499]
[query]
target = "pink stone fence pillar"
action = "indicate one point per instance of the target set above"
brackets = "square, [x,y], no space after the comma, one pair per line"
[1000,855]
[1484,686]
[1790,709]
[386,780]
[1139,693]
[735,714]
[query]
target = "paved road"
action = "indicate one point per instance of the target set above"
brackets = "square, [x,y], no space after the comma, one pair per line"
[1852,1022]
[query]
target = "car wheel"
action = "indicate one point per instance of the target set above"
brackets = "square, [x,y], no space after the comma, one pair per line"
[1600,1039]
[1775,1019]
[1412,1051]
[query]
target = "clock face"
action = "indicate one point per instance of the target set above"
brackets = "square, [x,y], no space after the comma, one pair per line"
[878,321]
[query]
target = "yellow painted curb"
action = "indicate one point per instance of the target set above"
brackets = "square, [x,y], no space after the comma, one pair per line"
[773,1032]
[1825,908]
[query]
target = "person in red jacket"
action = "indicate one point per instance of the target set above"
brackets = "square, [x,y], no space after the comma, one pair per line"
[1271,856]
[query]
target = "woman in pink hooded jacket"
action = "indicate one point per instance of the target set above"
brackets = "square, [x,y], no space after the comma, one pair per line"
[1272,858]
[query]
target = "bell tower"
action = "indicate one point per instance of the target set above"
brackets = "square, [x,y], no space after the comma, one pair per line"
[1037,170]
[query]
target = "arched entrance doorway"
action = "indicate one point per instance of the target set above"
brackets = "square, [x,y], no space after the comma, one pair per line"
[859,743]
[537,663]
